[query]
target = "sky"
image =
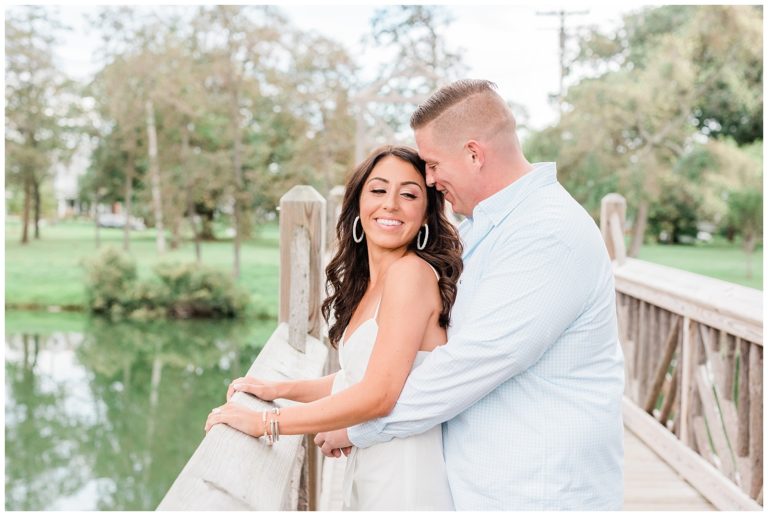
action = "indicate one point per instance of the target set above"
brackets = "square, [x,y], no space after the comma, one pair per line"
[508,44]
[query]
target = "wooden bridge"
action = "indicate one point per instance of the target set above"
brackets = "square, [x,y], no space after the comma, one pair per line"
[693,400]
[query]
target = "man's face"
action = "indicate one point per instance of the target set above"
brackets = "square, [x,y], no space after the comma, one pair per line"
[448,170]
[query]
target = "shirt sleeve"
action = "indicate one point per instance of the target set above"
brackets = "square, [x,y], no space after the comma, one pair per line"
[527,296]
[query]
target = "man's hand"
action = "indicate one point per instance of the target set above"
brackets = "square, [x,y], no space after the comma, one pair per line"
[334,443]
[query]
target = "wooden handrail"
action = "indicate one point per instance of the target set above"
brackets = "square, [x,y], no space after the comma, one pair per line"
[234,471]
[690,344]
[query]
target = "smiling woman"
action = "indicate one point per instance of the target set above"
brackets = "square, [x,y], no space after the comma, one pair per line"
[393,284]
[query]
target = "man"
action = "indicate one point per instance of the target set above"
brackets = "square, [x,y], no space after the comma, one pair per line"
[529,385]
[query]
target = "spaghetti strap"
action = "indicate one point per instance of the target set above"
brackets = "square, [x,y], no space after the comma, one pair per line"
[376,313]
[437,275]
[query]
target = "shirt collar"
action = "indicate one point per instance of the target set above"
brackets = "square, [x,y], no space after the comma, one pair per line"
[496,207]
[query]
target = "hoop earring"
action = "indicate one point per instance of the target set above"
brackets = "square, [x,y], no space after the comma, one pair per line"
[419,244]
[354,231]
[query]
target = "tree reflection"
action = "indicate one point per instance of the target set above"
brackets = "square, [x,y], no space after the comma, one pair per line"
[140,407]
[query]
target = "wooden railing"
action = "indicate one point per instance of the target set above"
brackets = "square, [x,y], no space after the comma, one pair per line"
[693,349]
[231,470]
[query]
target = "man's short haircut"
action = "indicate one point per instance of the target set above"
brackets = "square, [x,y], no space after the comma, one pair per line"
[468,108]
[448,96]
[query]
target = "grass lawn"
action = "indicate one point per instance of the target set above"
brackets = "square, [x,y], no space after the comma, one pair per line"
[718,259]
[47,272]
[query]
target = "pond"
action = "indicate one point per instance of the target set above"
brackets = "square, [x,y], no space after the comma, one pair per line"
[103,416]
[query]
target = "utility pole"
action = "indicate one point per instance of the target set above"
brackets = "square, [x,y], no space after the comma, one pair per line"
[563,37]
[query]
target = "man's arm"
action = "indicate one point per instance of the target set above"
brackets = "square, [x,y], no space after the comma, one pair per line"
[531,292]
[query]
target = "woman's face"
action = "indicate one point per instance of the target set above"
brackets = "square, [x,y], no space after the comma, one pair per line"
[393,204]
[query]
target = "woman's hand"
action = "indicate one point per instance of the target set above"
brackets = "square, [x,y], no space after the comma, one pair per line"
[334,443]
[238,417]
[262,389]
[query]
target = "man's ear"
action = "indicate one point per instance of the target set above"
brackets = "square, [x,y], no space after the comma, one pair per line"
[475,153]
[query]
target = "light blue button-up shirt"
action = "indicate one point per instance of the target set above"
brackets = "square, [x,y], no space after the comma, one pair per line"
[530,382]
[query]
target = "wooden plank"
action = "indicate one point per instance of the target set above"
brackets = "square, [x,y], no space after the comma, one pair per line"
[634,310]
[651,484]
[732,308]
[742,438]
[617,237]
[298,318]
[714,422]
[303,207]
[654,345]
[671,396]
[756,419]
[678,397]
[710,482]
[669,350]
[613,212]
[702,440]
[234,471]
[729,365]
[333,210]
[644,358]
[688,387]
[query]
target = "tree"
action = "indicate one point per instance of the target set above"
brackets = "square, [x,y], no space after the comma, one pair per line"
[242,43]
[419,61]
[636,116]
[34,89]
[745,212]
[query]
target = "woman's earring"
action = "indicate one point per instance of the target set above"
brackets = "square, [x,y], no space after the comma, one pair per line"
[419,244]
[354,231]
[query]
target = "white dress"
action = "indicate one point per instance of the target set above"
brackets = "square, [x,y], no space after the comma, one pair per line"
[401,474]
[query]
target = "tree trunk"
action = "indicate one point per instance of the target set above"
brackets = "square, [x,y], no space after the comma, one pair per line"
[190,190]
[206,232]
[127,204]
[36,199]
[749,248]
[638,231]
[96,201]
[25,211]
[238,177]
[154,174]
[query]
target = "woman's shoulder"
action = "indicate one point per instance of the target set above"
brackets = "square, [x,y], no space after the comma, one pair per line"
[413,269]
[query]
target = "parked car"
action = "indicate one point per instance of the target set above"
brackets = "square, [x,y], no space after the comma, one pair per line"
[117,220]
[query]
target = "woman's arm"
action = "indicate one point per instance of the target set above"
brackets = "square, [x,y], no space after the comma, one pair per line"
[298,390]
[410,298]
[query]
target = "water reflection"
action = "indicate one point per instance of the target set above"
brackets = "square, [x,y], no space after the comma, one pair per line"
[106,418]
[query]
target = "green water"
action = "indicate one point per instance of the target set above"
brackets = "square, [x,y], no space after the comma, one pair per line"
[103,416]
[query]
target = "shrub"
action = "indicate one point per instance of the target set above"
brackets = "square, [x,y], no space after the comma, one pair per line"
[200,291]
[180,290]
[110,279]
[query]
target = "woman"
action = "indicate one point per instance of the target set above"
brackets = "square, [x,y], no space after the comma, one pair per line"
[393,283]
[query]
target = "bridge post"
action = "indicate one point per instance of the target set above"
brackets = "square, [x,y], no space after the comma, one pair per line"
[613,214]
[302,257]
[302,238]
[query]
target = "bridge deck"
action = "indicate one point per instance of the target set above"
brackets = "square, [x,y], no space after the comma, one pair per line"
[649,483]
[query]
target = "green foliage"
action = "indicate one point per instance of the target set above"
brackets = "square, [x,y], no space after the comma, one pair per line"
[199,291]
[110,280]
[180,290]
[745,212]
[674,215]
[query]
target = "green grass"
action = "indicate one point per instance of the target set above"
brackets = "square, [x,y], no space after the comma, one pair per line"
[48,272]
[719,259]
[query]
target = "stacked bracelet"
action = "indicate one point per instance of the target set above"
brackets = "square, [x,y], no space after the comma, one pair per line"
[274,424]
[267,437]
[271,430]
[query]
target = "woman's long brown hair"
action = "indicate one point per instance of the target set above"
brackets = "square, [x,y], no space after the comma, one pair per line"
[348,275]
